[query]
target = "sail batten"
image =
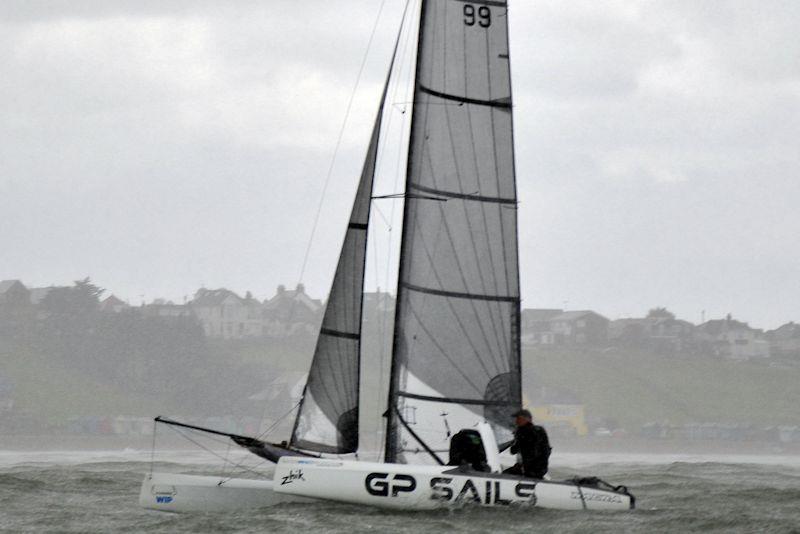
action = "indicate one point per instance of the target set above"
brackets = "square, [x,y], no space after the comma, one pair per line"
[455,294]
[499,103]
[466,196]
[456,348]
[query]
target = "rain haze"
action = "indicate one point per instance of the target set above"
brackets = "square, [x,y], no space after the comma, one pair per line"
[161,146]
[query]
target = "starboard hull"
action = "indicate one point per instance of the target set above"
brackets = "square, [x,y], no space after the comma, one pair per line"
[415,487]
[169,492]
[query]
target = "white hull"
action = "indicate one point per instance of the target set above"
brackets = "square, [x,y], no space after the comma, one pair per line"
[417,487]
[168,492]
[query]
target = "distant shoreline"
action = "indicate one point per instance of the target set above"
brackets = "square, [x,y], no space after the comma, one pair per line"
[626,445]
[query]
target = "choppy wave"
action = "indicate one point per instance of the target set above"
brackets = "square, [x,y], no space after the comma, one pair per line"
[95,491]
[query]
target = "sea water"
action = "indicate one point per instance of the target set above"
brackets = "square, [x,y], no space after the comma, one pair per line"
[65,491]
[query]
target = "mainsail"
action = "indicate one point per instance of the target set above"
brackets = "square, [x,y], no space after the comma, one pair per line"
[456,353]
[327,419]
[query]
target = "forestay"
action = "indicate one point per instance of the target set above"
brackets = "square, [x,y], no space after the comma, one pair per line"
[327,420]
[456,354]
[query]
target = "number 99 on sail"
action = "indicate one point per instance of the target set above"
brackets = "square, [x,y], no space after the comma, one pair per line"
[482,15]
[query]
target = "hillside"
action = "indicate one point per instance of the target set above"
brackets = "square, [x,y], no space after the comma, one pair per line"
[639,387]
[632,388]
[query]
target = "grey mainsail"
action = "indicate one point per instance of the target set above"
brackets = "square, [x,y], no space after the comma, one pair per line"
[456,353]
[328,416]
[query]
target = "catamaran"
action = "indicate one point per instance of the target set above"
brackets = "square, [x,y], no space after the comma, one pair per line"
[456,351]
[456,355]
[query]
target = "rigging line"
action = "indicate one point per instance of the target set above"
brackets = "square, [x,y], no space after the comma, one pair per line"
[388,224]
[389,251]
[395,196]
[416,437]
[224,464]
[241,466]
[277,421]
[212,452]
[397,378]
[339,142]
[336,346]
[153,450]
[397,80]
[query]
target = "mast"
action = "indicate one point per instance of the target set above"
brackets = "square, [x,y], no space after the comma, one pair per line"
[391,434]
[456,349]
[328,416]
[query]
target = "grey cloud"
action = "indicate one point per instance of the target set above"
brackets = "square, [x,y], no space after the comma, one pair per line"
[160,145]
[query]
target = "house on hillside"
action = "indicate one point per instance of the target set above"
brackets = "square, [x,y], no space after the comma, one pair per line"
[785,340]
[734,339]
[291,312]
[14,295]
[537,328]
[378,302]
[660,334]
[166,308]
[38,294]
[112,304]
[583,327]
[377,305]
[224,314]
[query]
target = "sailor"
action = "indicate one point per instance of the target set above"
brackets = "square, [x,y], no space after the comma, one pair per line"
[532,445]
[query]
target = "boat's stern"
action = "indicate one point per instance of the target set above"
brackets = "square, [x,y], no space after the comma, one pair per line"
[158,494]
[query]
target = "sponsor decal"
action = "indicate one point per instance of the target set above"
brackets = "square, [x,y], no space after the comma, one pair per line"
[383,485]
[446,489]
[319,463]
[164,494]
[468,493]
[526,491]
[454,489]
[600,497]
[292,476]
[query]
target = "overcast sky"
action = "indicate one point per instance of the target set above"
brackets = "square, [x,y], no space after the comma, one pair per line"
[158,146]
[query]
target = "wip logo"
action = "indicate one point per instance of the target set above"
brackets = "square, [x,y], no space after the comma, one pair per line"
[163,499]
[292,476]
[382,484]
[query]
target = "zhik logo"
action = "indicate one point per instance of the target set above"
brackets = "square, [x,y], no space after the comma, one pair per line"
[292,476]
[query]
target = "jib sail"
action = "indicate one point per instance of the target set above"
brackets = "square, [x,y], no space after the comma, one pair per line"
[327,420]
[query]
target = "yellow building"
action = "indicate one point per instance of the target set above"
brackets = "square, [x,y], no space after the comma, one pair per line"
[572,414]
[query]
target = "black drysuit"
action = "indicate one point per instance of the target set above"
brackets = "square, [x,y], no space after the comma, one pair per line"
[532,445]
